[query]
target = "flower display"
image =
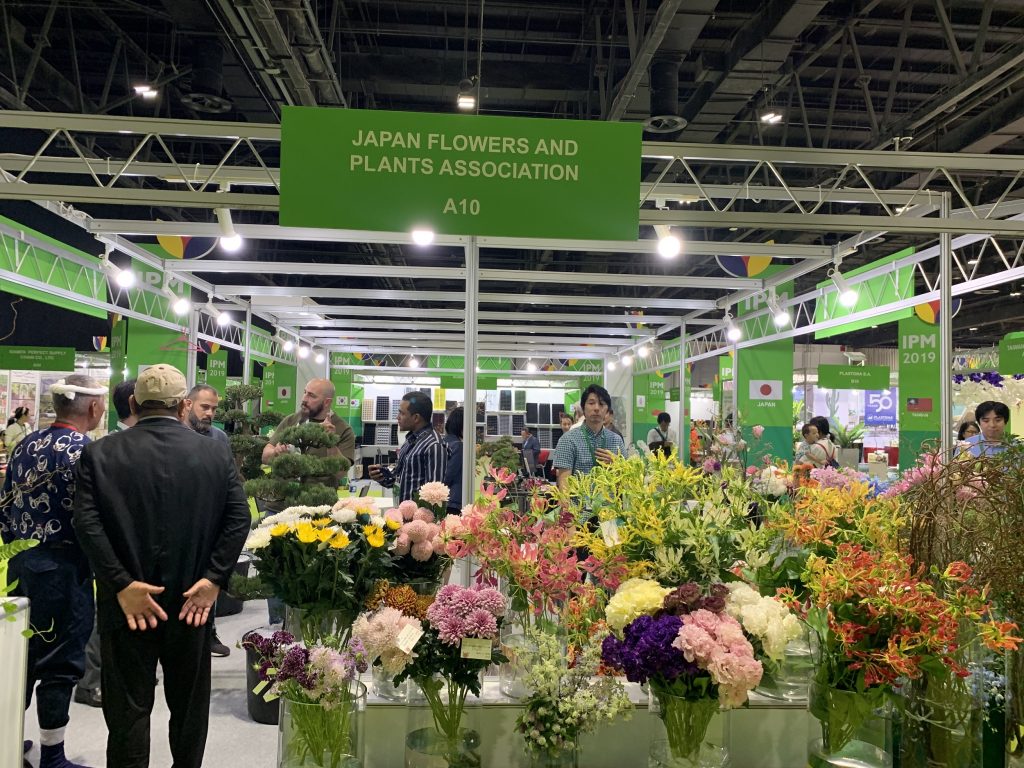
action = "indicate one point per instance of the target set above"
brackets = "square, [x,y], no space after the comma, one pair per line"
[419,547]
[434,493]
[379,631]
[323,559]
[632,599]
[765,618]
[566,700]
[830,477]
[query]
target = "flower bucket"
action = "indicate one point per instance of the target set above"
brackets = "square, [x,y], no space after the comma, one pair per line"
[510,673]
[565,758]
[322,736]
[311,626]
[940,724]
[850,729]
[685,742]
[791,678]
[440,731]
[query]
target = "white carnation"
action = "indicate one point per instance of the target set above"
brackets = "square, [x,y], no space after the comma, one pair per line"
[765,618]
[377,520]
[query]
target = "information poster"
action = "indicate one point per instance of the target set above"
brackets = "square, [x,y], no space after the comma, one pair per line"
[920,387]
[217,371]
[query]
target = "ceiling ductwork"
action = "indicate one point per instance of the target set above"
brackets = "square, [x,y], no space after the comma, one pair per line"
[664,98]
[206,92]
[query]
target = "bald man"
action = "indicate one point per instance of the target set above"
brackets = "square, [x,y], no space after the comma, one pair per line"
[317,399]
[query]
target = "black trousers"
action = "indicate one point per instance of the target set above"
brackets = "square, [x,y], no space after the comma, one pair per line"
[58,582]
[128,682]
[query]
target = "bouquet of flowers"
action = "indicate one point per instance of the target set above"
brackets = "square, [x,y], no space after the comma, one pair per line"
[767,621]
[320,685]
[323,560]
[567,699]
[692,653]
[418,548]
[444,654]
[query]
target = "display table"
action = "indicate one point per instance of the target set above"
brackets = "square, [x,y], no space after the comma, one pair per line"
[766,734]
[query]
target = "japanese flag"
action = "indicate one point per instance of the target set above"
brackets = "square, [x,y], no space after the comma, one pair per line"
[765,389]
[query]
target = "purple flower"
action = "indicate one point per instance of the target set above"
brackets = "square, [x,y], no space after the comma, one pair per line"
[682,599]
[294,666]
[713,604]
[646,650]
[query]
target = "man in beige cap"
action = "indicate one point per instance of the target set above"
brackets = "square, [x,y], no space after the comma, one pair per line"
[162,516]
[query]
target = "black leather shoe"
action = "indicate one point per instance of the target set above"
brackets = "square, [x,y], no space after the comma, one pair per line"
[91,697]
[217,648]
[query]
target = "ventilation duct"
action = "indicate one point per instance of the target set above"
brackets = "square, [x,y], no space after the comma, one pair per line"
[206,93]
[664,98]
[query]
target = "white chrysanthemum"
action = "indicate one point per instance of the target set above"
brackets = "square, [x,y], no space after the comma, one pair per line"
[343,516]
[287,516]
[258,538]
[377,520]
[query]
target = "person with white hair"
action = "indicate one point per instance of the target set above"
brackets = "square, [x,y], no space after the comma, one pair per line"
[39,492]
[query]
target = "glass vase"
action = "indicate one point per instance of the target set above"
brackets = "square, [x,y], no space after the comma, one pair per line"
[940,724]
[441,730]
[688,740]
[1015,708]
[790,678]
[310,625]
[850,729]
[564,758]
[510,673]
[384,686]
[317,736]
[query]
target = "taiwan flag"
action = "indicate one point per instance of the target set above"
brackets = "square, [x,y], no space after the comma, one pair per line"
[919,405]
[765,389]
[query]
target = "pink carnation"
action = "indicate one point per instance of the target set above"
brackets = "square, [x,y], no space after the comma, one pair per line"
[423,514]
[695,643]
[438,545]
[408,509]
[394,516]
[736,674]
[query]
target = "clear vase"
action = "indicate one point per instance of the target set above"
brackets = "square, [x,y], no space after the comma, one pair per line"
[311,626]
[850,729]
[384,686]
[790,678]
[940,724]
[688,740]
[441,730]
[564,758]
[510,673]
[318,736]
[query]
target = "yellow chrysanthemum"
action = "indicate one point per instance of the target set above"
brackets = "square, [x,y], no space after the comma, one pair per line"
[280,529]
[339,541]
[322,522]
[324,534]
[394,525]
[374,535]
[306,533]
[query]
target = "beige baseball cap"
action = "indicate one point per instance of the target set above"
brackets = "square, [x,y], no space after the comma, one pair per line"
[161,383]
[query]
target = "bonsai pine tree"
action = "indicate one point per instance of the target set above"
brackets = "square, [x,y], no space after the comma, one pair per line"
[244,428]
[301,478]
[502,453]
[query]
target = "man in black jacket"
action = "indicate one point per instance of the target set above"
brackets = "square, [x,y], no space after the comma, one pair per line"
[162,516]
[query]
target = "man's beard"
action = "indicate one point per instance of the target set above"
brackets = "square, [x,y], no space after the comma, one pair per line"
[199,425]
[310,415]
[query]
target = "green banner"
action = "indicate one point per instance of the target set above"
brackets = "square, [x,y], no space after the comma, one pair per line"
[571,398]
[452,382]
[217,371]
[486,383]
[38,358]
[148,344]
[459,174]
[279,388]
[884,289]
[920,387]
[648,402]
[853,376]
[764,386]
[1011,354]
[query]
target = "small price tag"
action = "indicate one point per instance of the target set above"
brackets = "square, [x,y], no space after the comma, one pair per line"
[476,648]
[610,533]
[259,687]
[408,637]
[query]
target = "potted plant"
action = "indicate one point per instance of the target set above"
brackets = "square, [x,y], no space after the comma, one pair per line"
[300,477]
[244,428]
[849,440]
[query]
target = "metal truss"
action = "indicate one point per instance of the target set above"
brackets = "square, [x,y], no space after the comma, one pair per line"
[439,363]
[986,359]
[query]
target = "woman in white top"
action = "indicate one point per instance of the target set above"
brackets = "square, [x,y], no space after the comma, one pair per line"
[17,428]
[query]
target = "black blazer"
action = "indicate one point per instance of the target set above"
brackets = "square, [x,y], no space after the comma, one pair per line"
[162,504]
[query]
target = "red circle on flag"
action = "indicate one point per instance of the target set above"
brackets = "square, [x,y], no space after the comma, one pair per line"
[766,389]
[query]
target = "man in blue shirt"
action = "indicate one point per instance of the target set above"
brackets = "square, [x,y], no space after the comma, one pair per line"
[579,450]
[531,450]
[55,576]
[992,417]
[423,457]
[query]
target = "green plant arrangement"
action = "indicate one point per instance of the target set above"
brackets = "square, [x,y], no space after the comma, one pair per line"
[246,441]
[847,436]
[501,452]
[301,478]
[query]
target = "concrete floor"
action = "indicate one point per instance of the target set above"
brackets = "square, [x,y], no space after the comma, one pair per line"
[233,739]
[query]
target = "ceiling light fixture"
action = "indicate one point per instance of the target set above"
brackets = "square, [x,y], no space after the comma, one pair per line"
[180,305]
[123,278]
[732,331]
[780,315]
[972,261]
[230,240]
[303,351]
[423,237]
[466,100]
[771,117]
[413,362]
[669,246]
[319,358]
[644,351]
[1015,294]
[288,346]
[627,359]
[847,295]
[531,366]
[972,329]
[222,318]
[145,90]
[611,365]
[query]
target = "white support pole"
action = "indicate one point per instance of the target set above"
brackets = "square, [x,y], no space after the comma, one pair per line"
[735,386]
[684,401]
[469,375]
[247,350]
[193,344]
[946,331]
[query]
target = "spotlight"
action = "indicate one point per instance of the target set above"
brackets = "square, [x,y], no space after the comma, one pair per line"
[413,362]
[847,295]
[466,100]
[780,316]
[288,346]
[531,366]
[145,90]
[230,240]
[182,306]
[611,365]
[627,359]
[423,237]
[732,331]
[223,319]
[303,351]
[669,246]
[319,358]
[125,278]
[644,351]
[771,118]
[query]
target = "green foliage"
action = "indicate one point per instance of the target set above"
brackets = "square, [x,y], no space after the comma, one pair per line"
[248,453]
[248,587]
[237,395]
[296,466]
[307,436]
[847,436]
[7,551]
[502,453]
[301,479]
[268,419]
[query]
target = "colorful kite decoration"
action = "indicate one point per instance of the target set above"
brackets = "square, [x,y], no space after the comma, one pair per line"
[929,311]
[181,247]
[744,266]
[99,343]
[213,348]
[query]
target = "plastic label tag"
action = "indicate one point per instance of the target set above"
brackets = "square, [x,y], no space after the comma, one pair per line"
[476,648]
[408,637]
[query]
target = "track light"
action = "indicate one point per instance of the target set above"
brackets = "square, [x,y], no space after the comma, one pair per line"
[288,346]
[847,295]
[732,331]
[644,351]
[611,365]
[303,351]
[771,117]
[179,304]
[423,237]
[413,362]
[123,278]
[222,318]
[780,316]
[466,100]
[145,90]
[319,358]
[627,359]
[230,240]
[669,245]
[531,366]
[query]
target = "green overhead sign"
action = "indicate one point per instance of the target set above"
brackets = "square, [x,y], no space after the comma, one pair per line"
[217,371]
[874,292]
[37,358]
[853,376]
[1011,354]
[459,174]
